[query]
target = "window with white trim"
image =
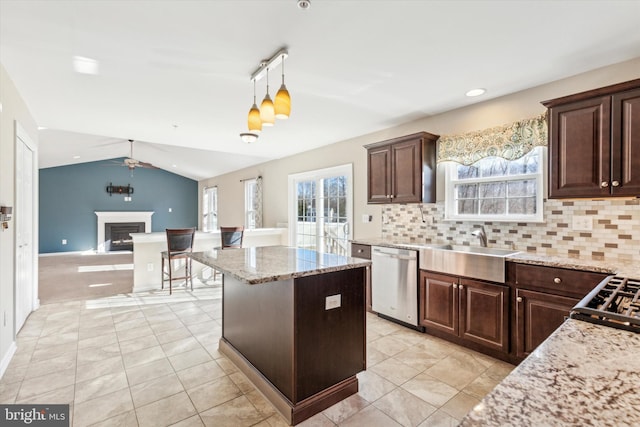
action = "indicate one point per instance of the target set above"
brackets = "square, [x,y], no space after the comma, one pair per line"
[250,202]
[210,209]
[495,189]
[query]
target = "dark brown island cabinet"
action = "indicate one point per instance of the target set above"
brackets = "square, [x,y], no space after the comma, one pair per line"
[402,170]
[293,321]
[542,299]
[469,312]
[594,142]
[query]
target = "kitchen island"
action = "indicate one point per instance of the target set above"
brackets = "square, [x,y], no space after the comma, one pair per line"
[582,375]
[293,323]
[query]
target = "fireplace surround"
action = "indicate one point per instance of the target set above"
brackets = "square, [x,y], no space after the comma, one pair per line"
[112,217]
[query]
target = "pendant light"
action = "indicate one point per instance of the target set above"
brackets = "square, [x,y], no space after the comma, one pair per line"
[267,113]
[283,100]
[254,121]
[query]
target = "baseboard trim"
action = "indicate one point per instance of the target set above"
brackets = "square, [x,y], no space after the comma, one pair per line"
[6,359]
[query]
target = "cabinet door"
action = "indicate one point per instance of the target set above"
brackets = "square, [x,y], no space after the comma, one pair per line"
[537,316]
[579,149]
[484,314]
[379,174]
[625,133]
[406,178]
[439,302]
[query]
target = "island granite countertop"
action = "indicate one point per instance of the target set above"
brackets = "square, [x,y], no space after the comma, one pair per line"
[582,375]
[273,263]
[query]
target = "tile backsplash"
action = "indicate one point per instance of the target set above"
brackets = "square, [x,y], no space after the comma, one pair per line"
[615,233]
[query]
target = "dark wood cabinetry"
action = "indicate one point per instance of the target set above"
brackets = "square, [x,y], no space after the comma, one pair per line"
[594,142]
[543,298]
[468,310]
[402,170]
[359,250]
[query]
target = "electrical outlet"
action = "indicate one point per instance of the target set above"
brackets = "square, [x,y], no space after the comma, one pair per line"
[333,301]
[149,266]
[582,223]
[64,241]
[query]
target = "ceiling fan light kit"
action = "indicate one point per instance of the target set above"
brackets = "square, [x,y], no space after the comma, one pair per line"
[269,110]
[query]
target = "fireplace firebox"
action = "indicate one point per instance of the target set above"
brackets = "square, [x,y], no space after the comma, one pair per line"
[116,235]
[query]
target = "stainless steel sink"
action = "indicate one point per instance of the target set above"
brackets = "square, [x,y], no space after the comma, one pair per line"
[469,261]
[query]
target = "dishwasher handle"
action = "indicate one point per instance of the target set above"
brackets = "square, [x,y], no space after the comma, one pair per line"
[410,257]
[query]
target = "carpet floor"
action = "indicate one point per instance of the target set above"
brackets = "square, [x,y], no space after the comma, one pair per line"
[81,277]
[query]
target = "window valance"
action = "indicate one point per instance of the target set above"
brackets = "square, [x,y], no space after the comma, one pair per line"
[510,142]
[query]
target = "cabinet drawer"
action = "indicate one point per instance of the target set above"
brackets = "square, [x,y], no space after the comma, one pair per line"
[360,251]
[557,280]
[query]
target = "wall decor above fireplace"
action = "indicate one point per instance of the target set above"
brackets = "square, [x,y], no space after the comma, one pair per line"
[118,189]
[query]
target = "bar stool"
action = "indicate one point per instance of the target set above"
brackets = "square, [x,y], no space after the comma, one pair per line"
[179,246]
[230,237]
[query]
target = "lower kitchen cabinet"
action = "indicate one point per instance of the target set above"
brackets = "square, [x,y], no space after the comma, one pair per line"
[537,315]
[468,311]
[542,299]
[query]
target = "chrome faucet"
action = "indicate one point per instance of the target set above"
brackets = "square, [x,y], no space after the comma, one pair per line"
[480,234]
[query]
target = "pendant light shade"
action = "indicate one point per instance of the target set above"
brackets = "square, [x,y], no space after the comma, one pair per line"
[254,121]
[283,100]
[267,112]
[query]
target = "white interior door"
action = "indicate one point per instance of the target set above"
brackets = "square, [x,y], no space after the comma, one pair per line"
[24,222]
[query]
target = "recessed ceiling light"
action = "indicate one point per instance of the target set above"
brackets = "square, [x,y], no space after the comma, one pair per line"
[476,92]
[41,128]
[174,166]
[85,65]
[76,157]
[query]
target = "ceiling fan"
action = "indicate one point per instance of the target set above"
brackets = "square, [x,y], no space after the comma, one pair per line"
[132,163]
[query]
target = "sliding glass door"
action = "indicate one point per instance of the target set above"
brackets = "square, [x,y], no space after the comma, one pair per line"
[320,209]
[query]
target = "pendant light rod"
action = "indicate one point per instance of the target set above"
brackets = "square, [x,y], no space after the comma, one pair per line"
[269,64]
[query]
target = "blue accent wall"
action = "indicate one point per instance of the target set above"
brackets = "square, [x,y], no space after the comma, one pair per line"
[70,195]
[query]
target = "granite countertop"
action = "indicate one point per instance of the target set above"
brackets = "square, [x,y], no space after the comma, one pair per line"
[272,263]
[619,267]
[582,375]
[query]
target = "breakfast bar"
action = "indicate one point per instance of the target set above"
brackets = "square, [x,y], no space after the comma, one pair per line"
[293,323]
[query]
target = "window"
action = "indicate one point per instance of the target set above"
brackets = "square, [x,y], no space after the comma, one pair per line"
[320,209]
[210,209]
[495,189]
[250,203]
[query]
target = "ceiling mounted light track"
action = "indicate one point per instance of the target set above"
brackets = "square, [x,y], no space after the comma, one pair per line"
[269,110]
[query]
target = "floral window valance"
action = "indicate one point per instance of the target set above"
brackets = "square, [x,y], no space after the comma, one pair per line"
[509,142]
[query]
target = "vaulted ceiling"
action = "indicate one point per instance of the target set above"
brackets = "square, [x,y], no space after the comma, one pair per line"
[174,75]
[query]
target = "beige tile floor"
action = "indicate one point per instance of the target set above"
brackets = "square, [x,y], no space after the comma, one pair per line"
[150,359]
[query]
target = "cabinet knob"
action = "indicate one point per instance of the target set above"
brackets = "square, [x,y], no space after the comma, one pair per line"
[519,299]
[557,280]
[615,184]
[460,287]
[455,285]
[360,251]
[604,184]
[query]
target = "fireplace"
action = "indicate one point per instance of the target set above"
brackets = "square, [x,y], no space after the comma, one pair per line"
[117,235]
[120,218]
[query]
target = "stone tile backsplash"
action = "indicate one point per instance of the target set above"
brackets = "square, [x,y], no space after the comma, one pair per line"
[615,234]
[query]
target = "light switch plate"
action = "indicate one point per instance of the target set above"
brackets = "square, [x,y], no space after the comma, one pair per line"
[332,301]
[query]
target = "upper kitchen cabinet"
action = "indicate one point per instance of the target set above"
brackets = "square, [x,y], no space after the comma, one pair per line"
[402,170]
[594,143]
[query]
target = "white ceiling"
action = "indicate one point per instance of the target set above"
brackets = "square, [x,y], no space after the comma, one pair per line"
[174,75]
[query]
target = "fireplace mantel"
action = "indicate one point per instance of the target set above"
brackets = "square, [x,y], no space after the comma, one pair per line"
[120,216]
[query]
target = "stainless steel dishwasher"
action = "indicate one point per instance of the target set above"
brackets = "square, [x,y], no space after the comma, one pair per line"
[394,284]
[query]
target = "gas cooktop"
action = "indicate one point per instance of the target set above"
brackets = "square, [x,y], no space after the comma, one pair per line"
[614,302]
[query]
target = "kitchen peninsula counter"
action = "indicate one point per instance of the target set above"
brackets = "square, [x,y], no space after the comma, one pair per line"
[582,375]
[293,321]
